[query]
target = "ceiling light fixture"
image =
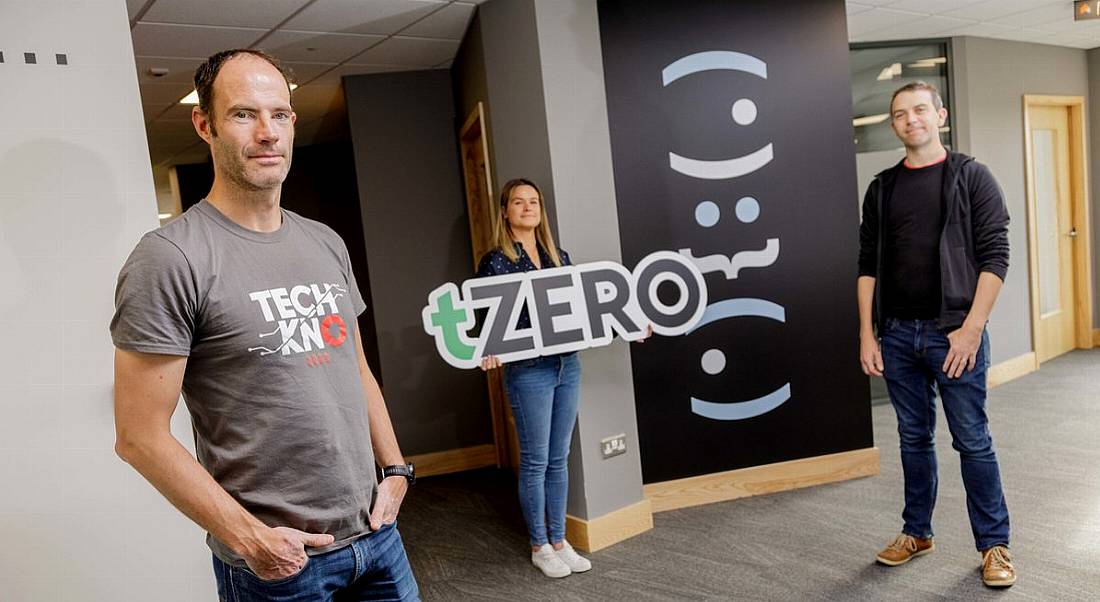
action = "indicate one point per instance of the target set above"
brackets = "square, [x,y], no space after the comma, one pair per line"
[890,72]
[928,63]
[870,119]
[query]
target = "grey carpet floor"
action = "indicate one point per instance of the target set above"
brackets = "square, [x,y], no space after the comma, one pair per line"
[466,540]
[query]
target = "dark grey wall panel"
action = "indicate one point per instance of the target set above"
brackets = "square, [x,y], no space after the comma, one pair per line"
[719,107]
[468,71]
[416,235]
[519,140]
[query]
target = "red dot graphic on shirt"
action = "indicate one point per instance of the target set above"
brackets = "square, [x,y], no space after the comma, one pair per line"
[326,330]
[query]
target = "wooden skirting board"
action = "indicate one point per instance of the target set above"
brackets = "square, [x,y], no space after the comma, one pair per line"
[454,460]
[611,528]
[1012,369]
[756,480]
[1096,338]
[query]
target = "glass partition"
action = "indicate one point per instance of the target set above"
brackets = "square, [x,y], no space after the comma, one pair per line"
[877,70]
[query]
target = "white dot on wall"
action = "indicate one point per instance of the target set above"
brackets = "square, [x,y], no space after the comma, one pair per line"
[747,210]
[713,362]
[744,111]
[707,214]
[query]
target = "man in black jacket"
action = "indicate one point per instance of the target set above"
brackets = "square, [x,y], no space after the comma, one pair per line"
[933,257]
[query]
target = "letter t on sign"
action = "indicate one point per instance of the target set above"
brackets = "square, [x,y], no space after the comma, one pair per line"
[447,319]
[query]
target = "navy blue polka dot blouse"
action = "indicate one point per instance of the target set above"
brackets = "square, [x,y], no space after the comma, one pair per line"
[495,263]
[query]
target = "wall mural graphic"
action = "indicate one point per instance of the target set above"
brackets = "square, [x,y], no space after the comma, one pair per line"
[732,143]
[707,215]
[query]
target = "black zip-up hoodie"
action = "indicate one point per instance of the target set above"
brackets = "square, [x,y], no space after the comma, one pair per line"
[974,238]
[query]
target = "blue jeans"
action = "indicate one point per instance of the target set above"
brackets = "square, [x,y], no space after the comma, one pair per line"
[913,353]
[543,393]
[373,567]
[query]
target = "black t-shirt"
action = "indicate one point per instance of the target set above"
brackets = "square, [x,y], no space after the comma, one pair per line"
[914,220]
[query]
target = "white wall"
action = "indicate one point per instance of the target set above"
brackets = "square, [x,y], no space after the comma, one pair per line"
[991,77]
[584,183]
[1093,128]
[76,192]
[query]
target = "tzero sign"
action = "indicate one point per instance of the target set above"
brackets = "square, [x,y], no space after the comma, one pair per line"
[571,308]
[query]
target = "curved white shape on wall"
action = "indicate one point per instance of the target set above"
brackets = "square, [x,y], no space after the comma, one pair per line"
[712,60]
[740,307]
[723,169]
[740,410]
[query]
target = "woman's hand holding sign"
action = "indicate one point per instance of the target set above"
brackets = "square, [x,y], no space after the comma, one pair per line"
[490,362]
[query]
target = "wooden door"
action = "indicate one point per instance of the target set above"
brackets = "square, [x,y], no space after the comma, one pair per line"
[1054,230]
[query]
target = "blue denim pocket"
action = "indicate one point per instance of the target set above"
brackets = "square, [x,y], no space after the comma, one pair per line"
[255,584]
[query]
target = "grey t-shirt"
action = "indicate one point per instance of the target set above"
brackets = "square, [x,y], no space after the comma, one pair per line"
[267,321]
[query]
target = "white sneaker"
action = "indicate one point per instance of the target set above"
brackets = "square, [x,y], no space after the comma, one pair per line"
[573,560]
[548,562]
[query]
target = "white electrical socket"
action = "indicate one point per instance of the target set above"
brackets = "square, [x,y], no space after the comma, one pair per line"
[613,446]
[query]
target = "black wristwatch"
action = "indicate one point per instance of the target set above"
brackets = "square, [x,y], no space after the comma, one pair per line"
[400,470]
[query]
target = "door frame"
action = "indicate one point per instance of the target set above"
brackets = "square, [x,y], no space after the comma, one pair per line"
[1079,208]
[474,130]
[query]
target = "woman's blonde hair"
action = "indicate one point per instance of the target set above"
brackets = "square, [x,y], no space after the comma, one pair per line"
[502,237]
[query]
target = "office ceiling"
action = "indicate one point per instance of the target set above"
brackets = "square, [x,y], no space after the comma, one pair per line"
[1036,21]
[323,40]
[319,40]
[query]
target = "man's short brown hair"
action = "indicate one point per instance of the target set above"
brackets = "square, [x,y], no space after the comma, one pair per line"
[208,72]
[937,101]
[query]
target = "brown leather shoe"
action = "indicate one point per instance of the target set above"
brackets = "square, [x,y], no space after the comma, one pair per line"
[997,569]
[903,549]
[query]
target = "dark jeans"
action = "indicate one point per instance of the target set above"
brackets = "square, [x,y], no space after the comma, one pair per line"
[544,392]
[913,352]
[373,567]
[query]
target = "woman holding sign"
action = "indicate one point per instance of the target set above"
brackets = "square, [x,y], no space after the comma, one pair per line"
[543,391]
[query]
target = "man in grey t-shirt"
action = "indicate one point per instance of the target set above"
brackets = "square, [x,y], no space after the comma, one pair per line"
[250,310]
